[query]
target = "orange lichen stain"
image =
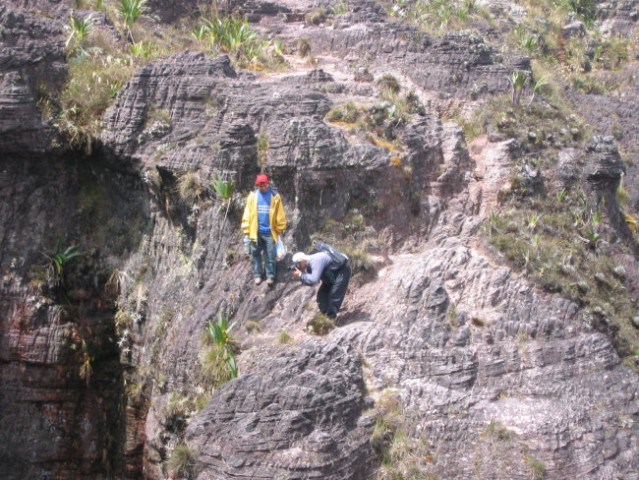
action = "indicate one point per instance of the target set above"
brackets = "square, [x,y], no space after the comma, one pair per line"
[344,125]
[395,160]
[384,144]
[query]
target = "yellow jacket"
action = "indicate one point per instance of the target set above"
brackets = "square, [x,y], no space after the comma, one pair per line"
[276,216]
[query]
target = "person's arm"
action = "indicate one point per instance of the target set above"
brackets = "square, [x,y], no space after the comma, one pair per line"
[280,216]
[247,212]
[317,264]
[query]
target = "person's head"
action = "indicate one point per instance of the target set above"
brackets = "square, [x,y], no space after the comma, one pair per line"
[300,260]
[262,182]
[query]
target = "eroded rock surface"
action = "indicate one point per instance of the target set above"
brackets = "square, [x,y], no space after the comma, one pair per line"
[493,377]
[296,414]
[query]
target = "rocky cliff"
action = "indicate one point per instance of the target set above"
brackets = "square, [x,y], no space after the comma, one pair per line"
[490,328]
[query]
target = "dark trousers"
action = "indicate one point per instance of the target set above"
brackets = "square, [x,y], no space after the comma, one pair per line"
[331,295]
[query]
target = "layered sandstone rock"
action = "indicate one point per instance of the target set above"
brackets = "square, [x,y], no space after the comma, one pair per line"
[492,378]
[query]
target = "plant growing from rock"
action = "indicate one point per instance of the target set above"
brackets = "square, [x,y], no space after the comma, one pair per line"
[58,261]
[181,462]
[536,87]
[79,29]
[517,83]
[316,17]
[402,456]
[320,324]
[537,467]
[145,50]
[586,10]
[131,11]
[189,187]
[284,338]
[303,47]
[340,7]
[224,187]
[346,113]
[224,343]
[252,326]
[232,35]
[262,148]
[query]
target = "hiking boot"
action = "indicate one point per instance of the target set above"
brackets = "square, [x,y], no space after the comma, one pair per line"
[258,280]
[270,281]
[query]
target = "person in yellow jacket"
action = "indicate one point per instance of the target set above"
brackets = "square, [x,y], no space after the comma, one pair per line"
[263,222]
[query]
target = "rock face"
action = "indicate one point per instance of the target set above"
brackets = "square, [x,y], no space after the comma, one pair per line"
[550,368]
[297,415]
[103,363]
[31,61]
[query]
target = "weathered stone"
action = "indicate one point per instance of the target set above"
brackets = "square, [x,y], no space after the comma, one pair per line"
[483,365]
[298,414]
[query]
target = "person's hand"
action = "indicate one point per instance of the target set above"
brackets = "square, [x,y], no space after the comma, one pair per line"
[296,273]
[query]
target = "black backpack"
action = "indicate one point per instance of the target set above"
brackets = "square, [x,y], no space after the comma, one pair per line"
[339,258]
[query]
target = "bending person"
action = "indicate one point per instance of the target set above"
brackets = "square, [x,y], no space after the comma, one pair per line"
[310,269]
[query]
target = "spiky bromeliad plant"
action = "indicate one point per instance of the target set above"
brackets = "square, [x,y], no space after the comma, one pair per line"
[220,333]
[224,188]
[58,260]
[131,11]
[79,29]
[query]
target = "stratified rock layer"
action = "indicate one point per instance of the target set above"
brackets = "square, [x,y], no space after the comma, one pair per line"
[297,414]
[494,378]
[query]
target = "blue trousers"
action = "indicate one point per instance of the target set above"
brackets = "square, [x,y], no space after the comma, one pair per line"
[264,244]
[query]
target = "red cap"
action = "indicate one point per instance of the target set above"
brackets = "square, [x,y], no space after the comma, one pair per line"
[261,179]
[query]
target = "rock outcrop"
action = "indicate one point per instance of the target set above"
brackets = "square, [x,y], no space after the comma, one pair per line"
[446,362]
[299,414]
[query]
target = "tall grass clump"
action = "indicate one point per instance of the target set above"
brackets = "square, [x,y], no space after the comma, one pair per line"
[234,35]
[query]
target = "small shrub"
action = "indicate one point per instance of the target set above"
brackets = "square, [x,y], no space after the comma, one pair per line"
[537,468]
[252,326]
[303,47]
[402,455]
[586,10]
[498,431]
[360,261]
[262,148]
[320,324]
[181,462]
[390,83]
[189,187]
[215,367]
[284,338]
[316,17]
[347,112]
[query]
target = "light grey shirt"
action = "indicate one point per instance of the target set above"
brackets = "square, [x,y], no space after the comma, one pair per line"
[316,265]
